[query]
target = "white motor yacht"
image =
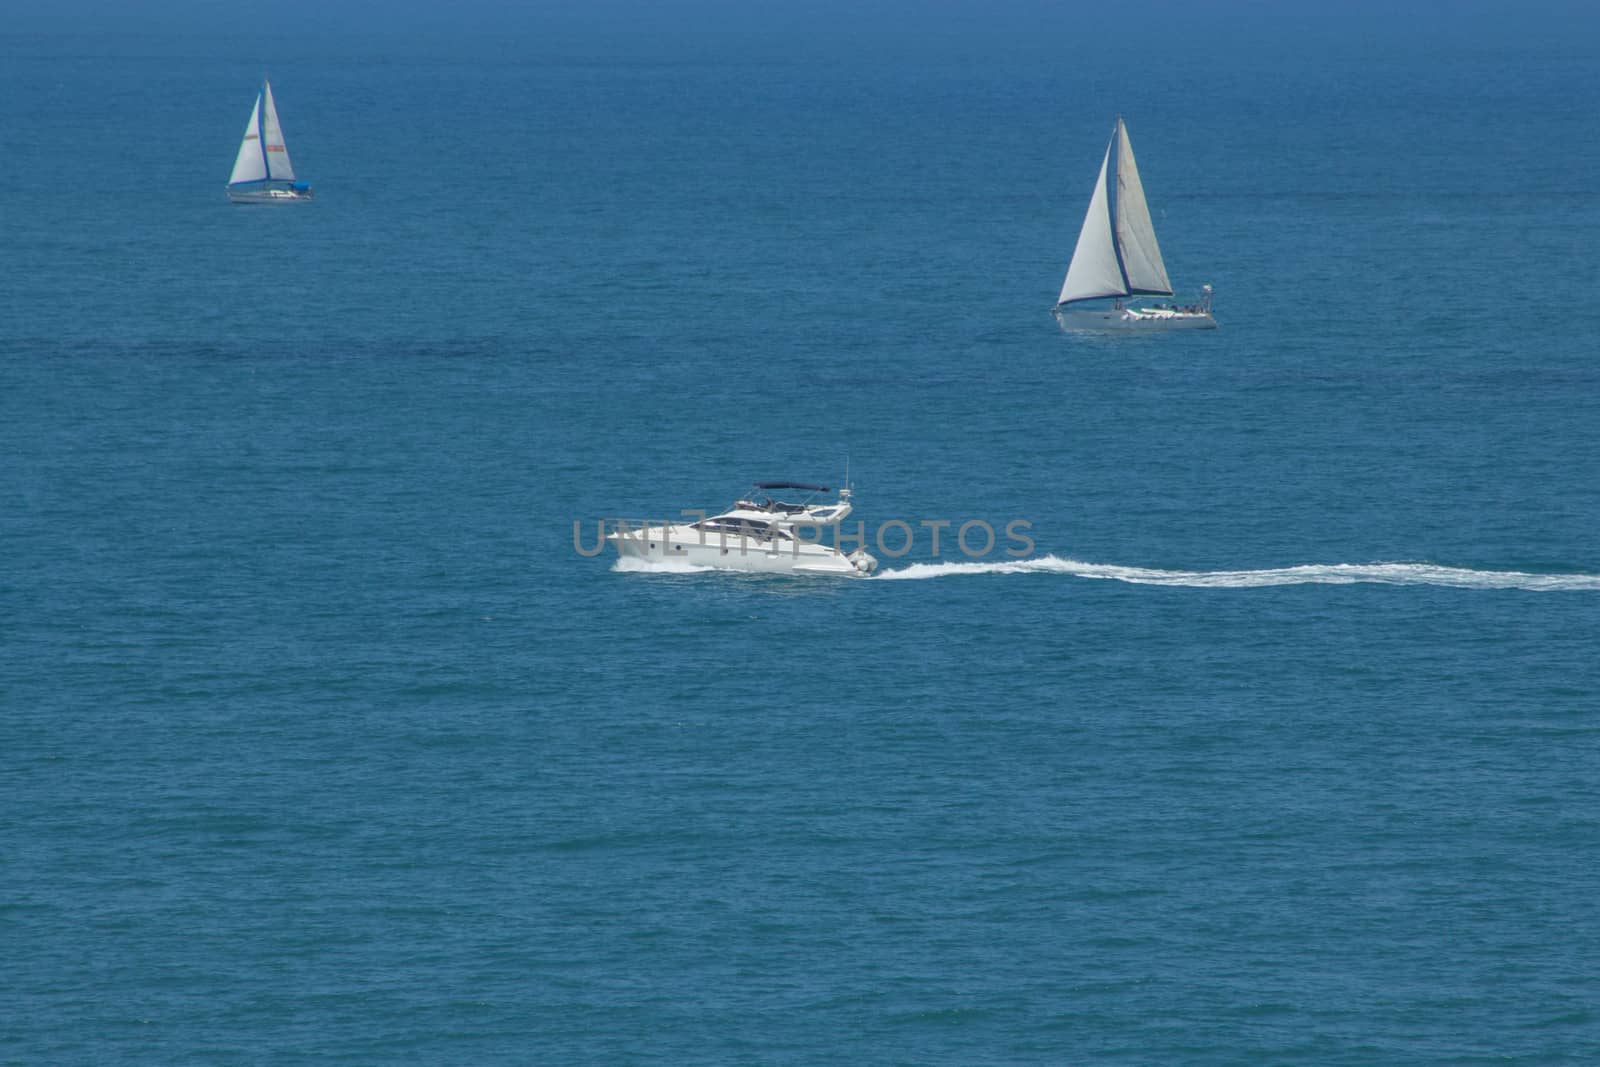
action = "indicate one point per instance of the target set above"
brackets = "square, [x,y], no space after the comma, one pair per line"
[756,534]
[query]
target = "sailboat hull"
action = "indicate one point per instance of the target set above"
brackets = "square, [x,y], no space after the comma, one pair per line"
[1138,320]
[269,196]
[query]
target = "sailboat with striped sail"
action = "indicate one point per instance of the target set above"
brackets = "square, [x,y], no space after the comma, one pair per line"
[262,173]
[1117,257]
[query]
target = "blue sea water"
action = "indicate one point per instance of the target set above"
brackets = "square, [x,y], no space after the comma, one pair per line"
[320,743]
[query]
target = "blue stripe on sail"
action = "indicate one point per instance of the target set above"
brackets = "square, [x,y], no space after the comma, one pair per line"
[261,133]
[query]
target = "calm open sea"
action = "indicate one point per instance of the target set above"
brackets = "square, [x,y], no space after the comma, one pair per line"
[320,743]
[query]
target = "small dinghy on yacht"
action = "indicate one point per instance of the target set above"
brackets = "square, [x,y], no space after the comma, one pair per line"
[756,534]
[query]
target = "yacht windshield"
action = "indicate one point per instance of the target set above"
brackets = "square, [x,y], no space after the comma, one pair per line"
[732,527]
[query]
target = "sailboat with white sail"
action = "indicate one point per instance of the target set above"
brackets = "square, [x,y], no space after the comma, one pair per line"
[262,173]
[1117,257]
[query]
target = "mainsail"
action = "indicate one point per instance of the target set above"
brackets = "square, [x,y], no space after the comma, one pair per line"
[1117,254]
[280,169]
[1136,234]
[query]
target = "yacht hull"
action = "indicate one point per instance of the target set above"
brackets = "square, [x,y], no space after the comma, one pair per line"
[687,546]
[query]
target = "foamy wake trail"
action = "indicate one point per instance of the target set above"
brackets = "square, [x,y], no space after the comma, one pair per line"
[1306,574]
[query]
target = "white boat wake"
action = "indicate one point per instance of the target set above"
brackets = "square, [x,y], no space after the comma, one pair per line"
[1305,574]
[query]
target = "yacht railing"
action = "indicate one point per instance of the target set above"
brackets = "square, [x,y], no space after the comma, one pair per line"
[734,534]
